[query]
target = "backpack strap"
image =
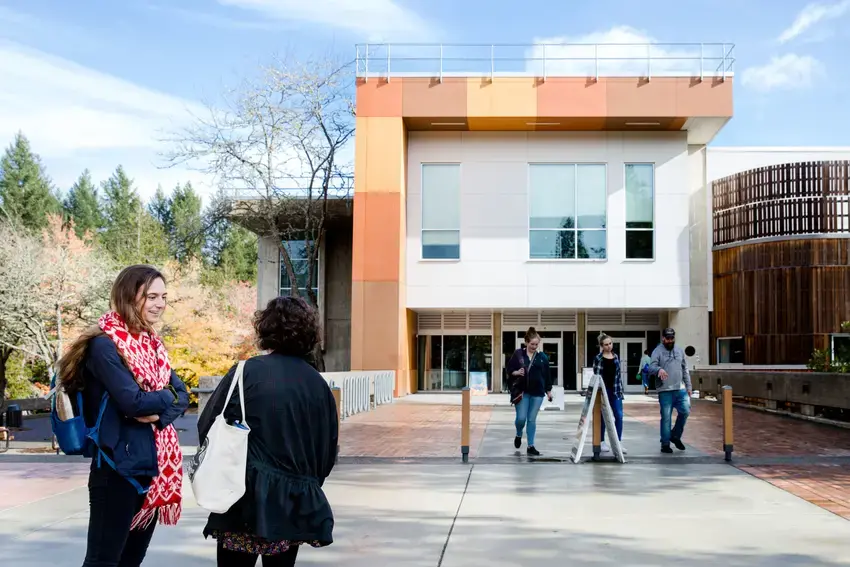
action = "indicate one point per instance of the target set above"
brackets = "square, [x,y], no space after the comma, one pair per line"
[94,435]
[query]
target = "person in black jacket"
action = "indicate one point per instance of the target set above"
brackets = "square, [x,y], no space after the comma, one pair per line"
[137,466]
[530,381]
[292,446]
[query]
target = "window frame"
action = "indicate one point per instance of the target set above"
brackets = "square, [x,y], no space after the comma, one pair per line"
[607,229]
[730,338]
[654,216]
[285,291]
[466,335]
[832,337]
[422,229]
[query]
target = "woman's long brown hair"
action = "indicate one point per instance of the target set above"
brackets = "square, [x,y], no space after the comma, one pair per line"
[128,285]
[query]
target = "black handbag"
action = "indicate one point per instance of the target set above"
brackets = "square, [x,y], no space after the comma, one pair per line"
[520,383]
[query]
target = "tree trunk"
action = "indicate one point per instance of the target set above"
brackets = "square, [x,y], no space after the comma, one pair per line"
[318,358]
[5,353]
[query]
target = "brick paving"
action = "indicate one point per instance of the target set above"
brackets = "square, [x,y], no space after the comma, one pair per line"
[759,434]
[407,430]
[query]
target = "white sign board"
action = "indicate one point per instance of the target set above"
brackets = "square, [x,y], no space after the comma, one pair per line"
[586,376]
[586,418]
[478,383]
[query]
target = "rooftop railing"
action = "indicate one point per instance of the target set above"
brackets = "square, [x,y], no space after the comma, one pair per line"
[647,60]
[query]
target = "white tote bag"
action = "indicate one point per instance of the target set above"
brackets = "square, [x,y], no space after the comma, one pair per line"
[217,471]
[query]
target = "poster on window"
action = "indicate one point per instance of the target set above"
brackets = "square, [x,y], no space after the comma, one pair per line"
[478,383]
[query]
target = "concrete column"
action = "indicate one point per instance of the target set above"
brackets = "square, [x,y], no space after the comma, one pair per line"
[497,352]
[268,271]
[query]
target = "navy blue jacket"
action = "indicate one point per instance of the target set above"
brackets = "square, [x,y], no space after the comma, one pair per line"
[128,442]
[538,379]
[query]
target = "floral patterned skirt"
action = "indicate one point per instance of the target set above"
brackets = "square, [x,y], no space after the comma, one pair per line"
[247,543]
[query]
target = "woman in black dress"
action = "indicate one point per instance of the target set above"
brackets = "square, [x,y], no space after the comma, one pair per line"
[291,448]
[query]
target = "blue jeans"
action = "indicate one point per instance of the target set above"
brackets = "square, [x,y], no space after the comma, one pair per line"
[617,410]
[526,412]
[669,400]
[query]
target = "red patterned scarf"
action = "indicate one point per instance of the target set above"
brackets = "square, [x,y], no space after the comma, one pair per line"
[148,361]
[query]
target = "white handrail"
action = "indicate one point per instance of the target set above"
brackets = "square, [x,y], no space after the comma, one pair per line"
[543,60]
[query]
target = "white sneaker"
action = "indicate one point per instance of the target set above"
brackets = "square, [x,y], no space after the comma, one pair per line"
[605,447]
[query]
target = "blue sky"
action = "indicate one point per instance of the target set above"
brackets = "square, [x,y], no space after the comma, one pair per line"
[95,83]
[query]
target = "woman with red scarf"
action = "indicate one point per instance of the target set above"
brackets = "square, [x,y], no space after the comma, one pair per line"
[137,466]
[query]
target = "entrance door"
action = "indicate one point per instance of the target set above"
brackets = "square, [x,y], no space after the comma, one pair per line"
[554,349]
[630,362]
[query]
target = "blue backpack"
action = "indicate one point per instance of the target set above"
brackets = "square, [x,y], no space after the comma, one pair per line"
[74,437]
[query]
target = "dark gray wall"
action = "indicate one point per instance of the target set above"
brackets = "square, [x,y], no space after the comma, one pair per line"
[337,259]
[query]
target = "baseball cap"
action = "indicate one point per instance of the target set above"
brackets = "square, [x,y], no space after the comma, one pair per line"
[669,333]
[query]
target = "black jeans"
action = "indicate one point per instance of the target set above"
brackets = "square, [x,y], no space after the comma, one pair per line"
[113,502]
[227,558]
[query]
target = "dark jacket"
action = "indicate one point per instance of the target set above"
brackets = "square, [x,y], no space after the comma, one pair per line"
[291,450]
[537,380]
[128,442]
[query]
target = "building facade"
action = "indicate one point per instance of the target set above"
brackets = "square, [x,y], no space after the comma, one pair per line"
[488,203]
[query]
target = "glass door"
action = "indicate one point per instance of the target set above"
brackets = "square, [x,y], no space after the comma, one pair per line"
[630,352]
[553,348]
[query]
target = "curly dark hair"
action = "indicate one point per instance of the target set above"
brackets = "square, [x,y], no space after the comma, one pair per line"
[288,325]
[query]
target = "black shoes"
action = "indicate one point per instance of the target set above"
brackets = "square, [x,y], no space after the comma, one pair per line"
[532,452]
[517,442]
[666,449]
[678,443]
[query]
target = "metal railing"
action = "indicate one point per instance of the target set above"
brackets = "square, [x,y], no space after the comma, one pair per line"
[362,391]
[544,60]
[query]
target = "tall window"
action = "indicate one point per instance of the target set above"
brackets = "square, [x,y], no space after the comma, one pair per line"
[452,362]
[441,211]
[297,250]
[567,211]
[640,211]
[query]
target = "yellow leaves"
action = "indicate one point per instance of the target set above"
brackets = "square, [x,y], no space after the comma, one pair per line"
[206,330]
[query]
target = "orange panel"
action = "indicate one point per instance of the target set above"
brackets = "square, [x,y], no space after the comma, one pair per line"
[379,326]
[429,98]
[502,123]
[357,319]
[384,147]
[639,97]
[377,97]
[572,97]
[507,97]
[377,237]
[709,97]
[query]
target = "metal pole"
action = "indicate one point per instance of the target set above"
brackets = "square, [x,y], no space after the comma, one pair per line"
[464,424]
[367,63]
[492,62]
[701,62]
[544,62]
[728,437]
[648,61]
[724,62]
[389,47]
[596,59]
[441,62]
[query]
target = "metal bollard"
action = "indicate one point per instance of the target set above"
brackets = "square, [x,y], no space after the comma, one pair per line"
[338,399]
[464,423]
[597,425]
[728,438]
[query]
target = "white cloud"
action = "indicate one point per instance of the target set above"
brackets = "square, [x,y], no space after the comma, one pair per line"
[77,117]
[786,72]
[811,15]
[375,20]
[621,51]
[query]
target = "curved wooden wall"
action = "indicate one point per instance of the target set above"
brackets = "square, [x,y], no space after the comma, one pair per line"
[782,259]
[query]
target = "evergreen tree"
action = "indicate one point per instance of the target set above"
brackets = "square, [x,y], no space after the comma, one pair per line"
[187,229]
[238,259]
[160,209]
[26,194]
[83,207]
[122,212]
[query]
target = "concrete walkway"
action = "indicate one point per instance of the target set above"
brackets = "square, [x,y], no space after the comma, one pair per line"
[499,515]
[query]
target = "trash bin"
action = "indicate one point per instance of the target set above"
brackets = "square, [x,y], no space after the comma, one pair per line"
[14,416]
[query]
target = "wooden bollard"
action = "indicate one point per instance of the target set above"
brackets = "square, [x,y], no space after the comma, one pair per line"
[338,399]
[597,425]
[728,436]
[465,409]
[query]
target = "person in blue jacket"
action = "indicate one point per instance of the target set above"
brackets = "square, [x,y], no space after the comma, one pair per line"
[530,381]
[127,492]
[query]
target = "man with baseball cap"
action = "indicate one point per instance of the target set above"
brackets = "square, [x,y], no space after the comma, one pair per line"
[673,384]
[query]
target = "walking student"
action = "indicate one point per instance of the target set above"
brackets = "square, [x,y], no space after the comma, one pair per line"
[137,467]
[673,384]
[643,375]
[531,381]
[607,365]
[292,444]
